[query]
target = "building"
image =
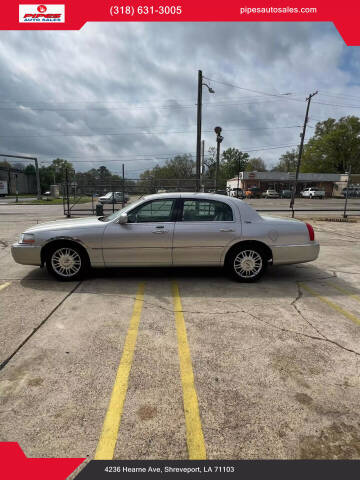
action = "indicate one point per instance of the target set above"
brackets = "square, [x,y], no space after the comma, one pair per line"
[17,178]
[331,183]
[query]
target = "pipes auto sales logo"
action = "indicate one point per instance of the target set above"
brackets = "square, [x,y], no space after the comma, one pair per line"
[41,13]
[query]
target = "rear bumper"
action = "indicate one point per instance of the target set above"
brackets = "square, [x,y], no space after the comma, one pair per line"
[26,254]
[288,254]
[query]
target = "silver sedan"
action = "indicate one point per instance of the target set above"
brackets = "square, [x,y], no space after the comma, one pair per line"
[171,229]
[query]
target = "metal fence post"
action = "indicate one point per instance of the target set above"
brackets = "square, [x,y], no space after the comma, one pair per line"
[347,191]
[67,193]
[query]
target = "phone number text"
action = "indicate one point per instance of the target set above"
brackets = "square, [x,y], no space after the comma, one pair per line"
[130,10]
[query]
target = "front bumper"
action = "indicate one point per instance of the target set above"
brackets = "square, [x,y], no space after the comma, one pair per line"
[26,254]
[288,254]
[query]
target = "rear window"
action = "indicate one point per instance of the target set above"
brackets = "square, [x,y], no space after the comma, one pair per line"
[206,211]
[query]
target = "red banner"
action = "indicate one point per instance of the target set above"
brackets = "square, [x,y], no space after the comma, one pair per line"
[15,465]
[73,14]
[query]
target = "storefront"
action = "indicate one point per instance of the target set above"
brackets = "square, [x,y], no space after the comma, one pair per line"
[285,181]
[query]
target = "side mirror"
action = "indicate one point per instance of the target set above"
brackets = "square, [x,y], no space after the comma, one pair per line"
[123,218]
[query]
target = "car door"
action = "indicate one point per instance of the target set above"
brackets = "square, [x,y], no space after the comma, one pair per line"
[145,240]
[203,230]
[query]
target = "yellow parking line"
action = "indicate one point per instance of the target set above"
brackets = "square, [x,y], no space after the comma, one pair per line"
[344,290]
[4,285]
[331,304]
[106,446]
[194,434]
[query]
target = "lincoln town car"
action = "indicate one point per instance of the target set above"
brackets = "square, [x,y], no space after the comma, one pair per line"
[170,229]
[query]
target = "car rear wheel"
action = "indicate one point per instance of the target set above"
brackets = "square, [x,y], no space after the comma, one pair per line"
[66,263]
[246,264]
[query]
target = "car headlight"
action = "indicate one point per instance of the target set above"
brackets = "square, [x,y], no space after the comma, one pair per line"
[27,238]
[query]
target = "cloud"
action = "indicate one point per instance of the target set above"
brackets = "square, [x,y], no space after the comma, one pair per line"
[137,83]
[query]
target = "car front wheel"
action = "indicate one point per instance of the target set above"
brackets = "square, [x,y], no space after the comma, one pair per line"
[66,263]
[247,264]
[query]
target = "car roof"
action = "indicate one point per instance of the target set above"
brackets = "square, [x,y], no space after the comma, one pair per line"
[248,213]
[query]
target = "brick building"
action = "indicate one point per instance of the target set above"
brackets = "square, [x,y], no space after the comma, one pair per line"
[331,183]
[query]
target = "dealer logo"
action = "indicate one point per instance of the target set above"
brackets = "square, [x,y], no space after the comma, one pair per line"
[41,13]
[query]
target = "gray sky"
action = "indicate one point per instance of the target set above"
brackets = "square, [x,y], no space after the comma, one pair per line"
[62,91]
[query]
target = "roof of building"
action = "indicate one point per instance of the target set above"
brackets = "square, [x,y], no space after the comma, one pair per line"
[288,176]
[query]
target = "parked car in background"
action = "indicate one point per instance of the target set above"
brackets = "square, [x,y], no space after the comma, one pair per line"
[221,192]
[237,193]
[352,192]
[253,192]
[270,194]
[114,197]
[312,192]
[285,194]
[171,229]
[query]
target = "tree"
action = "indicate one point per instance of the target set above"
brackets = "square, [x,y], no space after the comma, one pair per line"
[56,172]
[30,170]
[233,161]
[334,147]
[287,162]
[256,165]
[104,174]
[5,164]
[180,167]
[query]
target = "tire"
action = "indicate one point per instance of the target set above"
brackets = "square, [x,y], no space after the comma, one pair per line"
[240,258]
[67,262]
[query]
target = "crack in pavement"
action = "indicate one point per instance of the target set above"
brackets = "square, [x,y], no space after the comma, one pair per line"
[322,338]
[7,360]
[293,304]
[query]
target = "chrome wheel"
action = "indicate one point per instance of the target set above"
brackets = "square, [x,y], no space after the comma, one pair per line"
[248,264]
[66,262]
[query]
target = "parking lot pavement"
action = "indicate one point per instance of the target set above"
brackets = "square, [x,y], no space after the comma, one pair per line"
[184,362]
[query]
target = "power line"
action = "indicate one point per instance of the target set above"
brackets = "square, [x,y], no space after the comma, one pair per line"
[337,105]
[141,133]
[247,89]
[177,106]
[245,150]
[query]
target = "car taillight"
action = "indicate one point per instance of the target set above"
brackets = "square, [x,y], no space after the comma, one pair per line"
[311,231]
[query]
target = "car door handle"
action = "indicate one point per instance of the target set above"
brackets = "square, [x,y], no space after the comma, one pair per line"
[226,230]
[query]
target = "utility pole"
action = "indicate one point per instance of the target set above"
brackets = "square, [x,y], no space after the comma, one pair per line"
[198,133]
[302,135]
[16,188]
[202,187]
[219,139]
[37,179]
[238,182]
[123,185]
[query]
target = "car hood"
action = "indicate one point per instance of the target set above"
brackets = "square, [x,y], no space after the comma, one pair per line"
[67,224]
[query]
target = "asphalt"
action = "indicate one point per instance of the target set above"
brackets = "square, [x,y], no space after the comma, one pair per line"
[275,364]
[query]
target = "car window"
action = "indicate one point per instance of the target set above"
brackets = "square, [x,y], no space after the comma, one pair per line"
[206,211]
[155,211]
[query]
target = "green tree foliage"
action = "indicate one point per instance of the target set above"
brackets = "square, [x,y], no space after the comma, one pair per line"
[233,161]
[256,165]
[334,147]
[287,162]
[167,176]
[30,170]
[4,164]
